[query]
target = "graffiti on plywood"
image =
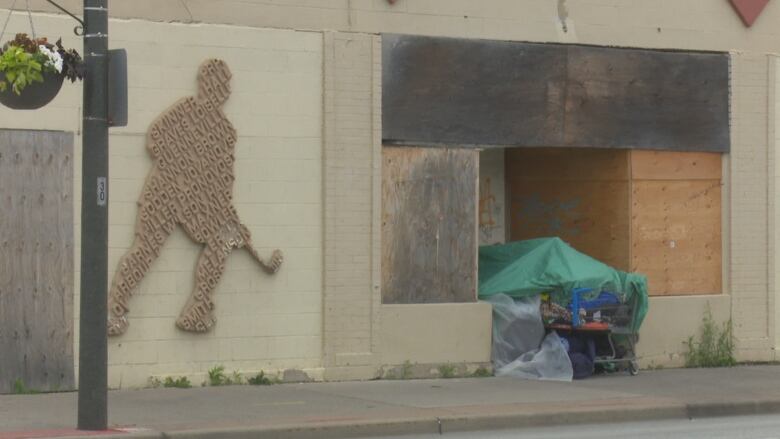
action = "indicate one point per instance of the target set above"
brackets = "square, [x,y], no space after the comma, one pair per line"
[487,203]
[190,185]
[490,214]
[550,217]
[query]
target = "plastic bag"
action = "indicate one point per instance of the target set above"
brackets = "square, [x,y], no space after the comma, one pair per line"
[520,348]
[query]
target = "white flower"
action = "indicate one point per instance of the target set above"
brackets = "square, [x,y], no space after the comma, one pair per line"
[54,58]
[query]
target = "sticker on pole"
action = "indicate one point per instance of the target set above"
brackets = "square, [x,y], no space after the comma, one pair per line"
[102,194]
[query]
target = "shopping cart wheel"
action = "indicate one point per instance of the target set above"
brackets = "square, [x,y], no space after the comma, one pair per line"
[633,368]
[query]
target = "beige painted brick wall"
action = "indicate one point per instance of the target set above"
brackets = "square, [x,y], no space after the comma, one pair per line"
[774,143]
[751,206]
[680,24]
[264,322]
[352,151]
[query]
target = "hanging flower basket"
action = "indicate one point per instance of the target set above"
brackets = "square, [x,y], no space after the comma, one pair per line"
[35,95]
[32,71]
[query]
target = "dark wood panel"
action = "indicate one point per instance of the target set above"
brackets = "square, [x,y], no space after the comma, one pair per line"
[443,91]
[646,99]
[36,260]
[457,91]
[429,225]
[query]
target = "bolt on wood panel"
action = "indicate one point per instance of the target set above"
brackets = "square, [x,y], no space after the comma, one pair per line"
[36,260]
[429,225]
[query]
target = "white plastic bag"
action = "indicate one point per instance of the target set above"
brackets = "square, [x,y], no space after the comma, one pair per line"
[520,348]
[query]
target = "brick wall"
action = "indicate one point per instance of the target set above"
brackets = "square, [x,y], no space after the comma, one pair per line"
[352,154]
[774,142]
[750,255]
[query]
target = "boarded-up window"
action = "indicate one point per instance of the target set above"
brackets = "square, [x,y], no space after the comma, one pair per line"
[36,260]
[450,91]
[653,212]
[676,221]
[429,225]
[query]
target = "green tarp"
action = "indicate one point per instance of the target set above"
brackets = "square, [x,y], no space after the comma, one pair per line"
[549,265]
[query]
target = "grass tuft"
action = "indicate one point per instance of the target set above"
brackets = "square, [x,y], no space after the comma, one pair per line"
[714,347]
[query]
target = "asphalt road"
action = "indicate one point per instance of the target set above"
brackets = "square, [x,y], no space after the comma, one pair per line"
[740,427]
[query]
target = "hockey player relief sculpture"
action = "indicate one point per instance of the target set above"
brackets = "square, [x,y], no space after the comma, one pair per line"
[190,185]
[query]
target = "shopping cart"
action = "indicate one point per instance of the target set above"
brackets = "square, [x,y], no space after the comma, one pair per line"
[610,321]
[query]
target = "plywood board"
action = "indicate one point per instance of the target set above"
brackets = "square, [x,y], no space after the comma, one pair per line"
[429,225]
[590,216]
[654,212]
[672,165]
[449,91]
[580,196]
[36,260]
[567,164]
[676,235]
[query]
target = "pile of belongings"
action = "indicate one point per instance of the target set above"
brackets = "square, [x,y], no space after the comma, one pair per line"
[607,308]
[545,282]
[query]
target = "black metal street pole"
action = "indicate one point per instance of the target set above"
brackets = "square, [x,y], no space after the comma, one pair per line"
[93,351]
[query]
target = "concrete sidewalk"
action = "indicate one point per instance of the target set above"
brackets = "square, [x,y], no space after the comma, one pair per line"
[354,409]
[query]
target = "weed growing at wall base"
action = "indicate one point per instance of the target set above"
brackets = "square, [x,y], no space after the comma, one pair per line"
[406,370]
[446,371]
[21,389]
[180,383]
[715,346]
[217,377]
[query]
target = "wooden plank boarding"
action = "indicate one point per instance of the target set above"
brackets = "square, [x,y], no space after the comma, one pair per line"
[429,225]
[36,260]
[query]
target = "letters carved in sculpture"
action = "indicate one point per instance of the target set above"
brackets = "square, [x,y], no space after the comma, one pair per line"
[191,184]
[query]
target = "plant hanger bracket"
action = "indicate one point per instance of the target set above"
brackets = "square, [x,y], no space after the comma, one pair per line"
[78,30]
